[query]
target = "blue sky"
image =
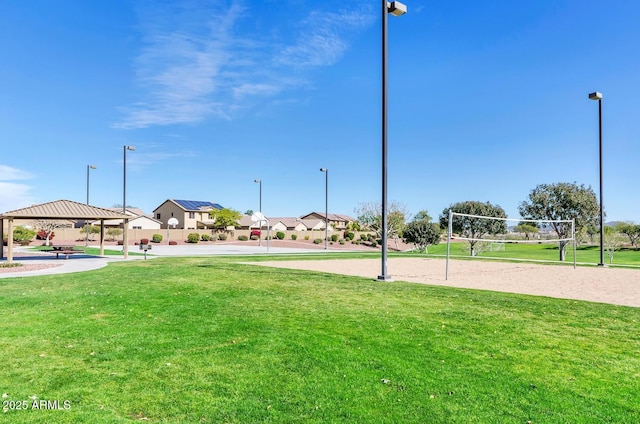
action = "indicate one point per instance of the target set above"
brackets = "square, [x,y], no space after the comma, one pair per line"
[487,99]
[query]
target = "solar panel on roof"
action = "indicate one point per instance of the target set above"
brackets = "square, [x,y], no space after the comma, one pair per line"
[194,205]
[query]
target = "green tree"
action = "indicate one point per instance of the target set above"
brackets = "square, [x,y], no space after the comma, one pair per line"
[613,240]
[370,218]
[224,218]
[526,228]
[423,215]
[422,234]
[592,231]
[113,233]
[562,201]
[632,231]
[471,227]
[93,230]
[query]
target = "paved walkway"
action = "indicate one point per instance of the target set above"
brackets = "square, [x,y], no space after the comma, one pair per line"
[79,263]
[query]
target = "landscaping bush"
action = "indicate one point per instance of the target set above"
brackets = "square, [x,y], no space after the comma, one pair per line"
[222,236]
[342,242]
[144,241]
[280,235]
[306,237]
[173,243]
[349,235]
[156,238]
[317,241]
[243,237]
[364,237]
[113,233]
[42,235]
[193,237]
[334,237]
[255,237]
[294,236]
[255,233]
[374,244]
[205,237]
[23,235]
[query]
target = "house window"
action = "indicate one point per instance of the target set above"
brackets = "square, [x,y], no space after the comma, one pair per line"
[157,216]
[192,215]
[137,227]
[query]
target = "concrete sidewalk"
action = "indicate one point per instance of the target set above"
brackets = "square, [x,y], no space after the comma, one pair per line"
[79,263]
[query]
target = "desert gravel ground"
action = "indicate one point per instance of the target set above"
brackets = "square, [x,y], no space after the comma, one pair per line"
[597,284]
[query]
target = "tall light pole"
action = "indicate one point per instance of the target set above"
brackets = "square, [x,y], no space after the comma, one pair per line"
[124,188]
[598,96]
[396,9]
[326,207]
[86,241]
[260,210]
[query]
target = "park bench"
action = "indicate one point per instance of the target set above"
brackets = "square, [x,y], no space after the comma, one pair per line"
[63,250]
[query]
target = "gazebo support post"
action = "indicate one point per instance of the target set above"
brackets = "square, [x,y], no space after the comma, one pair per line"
[10,241]
[102,237]
[2,234]
[125,239]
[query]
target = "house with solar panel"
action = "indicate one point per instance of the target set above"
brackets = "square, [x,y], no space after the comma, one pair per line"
[190,214]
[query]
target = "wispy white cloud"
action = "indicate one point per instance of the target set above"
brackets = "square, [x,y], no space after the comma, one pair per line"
[14,195]
[196,61]
[8,173]
[324,37]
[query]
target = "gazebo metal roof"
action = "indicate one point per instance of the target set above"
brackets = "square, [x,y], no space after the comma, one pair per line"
[63,209]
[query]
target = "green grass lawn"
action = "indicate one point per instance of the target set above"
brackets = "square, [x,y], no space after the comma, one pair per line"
[189,340]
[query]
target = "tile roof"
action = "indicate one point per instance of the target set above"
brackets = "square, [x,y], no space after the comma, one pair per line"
[63,209]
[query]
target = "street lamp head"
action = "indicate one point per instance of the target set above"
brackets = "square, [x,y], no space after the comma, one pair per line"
[396,8]
[130,147]
[92,166]
[323,169]
[257,181]
[595,95]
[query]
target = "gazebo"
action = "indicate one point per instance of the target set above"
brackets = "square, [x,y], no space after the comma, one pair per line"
[62,209]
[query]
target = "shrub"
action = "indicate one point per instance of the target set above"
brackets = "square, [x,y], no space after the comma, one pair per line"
[317,241]
[334,237]
[113,233]
[222,236]
[374,244]
[156,238]
[144,241]
[280,235]
[42,235]
[255,233]
[364,237]
[349,235]
[205,237]
[342,242]
[193,237]
[306,237]
[173,243]
[255,237]
[243,237]
[294,236]
[21,234]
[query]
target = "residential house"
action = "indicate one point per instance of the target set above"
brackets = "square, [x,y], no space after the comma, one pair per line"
[139,222]
[190,214]
[337,222]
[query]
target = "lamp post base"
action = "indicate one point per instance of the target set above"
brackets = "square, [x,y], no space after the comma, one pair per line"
[603,265]
[385,278]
